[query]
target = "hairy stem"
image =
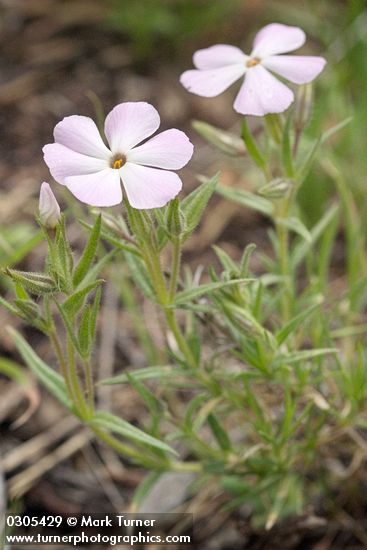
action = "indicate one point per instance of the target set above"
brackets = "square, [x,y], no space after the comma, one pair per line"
[79,397]
[89,383]
[175,269]
[63,366]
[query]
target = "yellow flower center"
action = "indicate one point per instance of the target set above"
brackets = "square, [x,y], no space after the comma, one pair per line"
[118,161]
[252,62]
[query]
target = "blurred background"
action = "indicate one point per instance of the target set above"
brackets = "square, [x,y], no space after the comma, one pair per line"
[63,57]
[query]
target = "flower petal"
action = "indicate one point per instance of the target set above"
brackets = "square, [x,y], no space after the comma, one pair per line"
[99,189]
[64,162]
[171,149]
[277,38]
[148,187]
[80,134]
[211,82]
[130,123]
[262,93]
[299,69]
[217,56]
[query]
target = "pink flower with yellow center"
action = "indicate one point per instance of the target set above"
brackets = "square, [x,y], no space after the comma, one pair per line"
[218,67]
[93,171]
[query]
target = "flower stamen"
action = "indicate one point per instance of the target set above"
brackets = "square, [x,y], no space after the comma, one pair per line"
[253,62]
[118,161]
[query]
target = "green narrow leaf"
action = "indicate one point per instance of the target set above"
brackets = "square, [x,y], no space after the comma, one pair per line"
[13,370]
[20,292]
[143,489]
[302,249]
[149,373]
[140,276]
[84,332]
[193,293]
[227,263]
[247,199]
[219,433]
[305,355]
[148,397]
[194,204]
[295,224]
[251,146]
[294,323]
[95,270]
[307,164]
[69,327]
[334,129]
[52,381]
[106,236]
[117,425]
[94,315]
[75,302]
[245,260]
[9,307]
[191,409]
[90,250]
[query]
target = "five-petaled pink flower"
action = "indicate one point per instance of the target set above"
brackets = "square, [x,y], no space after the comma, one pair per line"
[81,161]
[261,93]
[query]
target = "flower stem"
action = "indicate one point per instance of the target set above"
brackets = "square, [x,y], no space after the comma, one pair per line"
[179,337]
[283,241]
[165,297]
[176,259]
[283,255]
[63,367]
[79,397]
[89,383]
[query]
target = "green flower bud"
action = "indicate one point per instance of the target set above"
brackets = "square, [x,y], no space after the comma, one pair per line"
[36,283]
[175,219]
[224,141]
[29,308]
[276,189]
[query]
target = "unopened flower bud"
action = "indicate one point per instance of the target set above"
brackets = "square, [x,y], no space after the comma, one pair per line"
[276,189]
[175,220]
[36,283]
[29,308]
[49,209]
[224,141]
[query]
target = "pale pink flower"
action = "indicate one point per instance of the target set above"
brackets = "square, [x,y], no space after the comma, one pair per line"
[93,172]
[261,93]
[49,209]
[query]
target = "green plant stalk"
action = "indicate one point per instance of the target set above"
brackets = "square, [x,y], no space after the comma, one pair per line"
[79,397]
[175,269]
[165,299]
[89,383]
[283,257]
[153,264]
[63,366]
